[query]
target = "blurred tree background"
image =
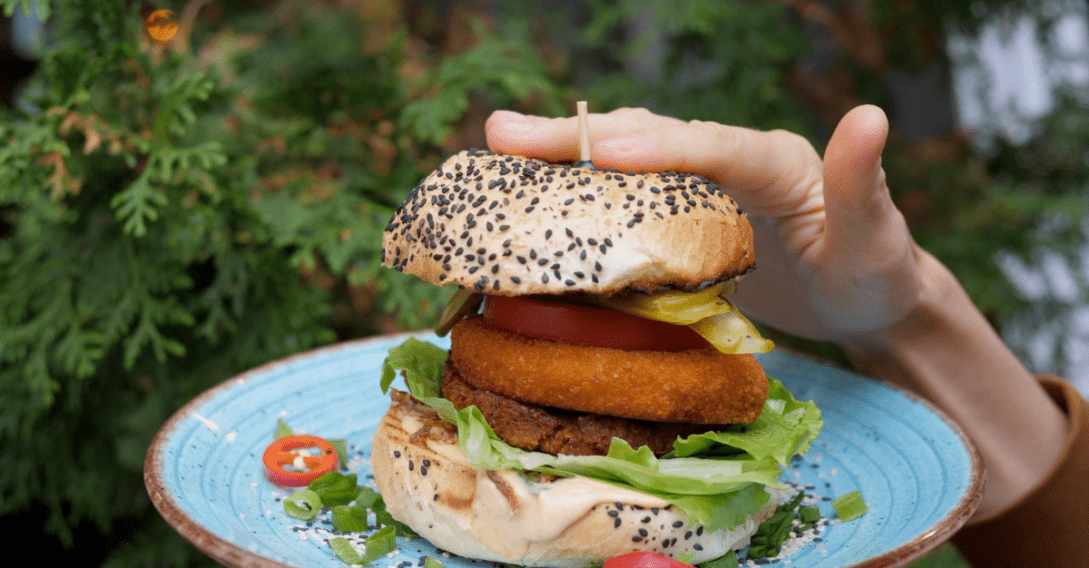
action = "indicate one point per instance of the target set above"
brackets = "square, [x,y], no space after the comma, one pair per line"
[179,208]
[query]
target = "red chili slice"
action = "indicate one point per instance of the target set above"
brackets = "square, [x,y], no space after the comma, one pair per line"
[279,454]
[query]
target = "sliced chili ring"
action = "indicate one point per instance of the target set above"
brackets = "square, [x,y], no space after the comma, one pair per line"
[280,454]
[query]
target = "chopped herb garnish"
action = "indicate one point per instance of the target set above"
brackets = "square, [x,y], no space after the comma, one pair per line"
[728,560]
[282,430]
[311,501]
[349,519]
[772,533]
[849,506]
[344,551]
[380,544]
[335,488]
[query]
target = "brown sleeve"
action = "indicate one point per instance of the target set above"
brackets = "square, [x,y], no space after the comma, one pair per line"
[1050,525]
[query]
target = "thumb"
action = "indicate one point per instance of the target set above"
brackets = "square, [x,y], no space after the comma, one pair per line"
[865,236]
[860,214]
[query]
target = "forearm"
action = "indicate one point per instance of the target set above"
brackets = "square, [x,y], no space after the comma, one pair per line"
[946,351]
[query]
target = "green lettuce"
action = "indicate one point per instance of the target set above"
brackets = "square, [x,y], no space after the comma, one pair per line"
[717,478]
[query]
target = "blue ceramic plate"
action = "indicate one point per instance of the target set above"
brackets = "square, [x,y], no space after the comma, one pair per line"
[918,474]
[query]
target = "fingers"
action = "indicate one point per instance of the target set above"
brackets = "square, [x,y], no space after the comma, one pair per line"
[557,139]
[772,173]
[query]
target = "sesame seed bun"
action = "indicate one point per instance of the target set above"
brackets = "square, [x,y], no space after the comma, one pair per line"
[509,225]
[503,516]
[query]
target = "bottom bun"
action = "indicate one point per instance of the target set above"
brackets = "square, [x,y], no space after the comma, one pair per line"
[503,516]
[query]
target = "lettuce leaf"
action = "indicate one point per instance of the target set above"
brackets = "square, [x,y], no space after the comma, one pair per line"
[718,479]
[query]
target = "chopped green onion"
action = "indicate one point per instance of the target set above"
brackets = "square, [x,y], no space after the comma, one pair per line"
[341,446]
[380,544]
[850,506]
[728,560]
[793,504]
[385,519]
[349,519]
[809,514]
[344,551]
[309,498]
[431,563]
[771,534]
[335,488]
[370,499]
[282,430]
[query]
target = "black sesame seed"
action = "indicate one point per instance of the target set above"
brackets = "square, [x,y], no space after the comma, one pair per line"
[614,514]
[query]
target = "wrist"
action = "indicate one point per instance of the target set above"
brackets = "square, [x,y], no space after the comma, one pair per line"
[946,351]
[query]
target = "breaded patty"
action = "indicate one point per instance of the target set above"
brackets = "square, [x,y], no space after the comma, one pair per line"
[697,386]
[554,431]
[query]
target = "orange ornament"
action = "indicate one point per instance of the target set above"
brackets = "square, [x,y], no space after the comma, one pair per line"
[162,25]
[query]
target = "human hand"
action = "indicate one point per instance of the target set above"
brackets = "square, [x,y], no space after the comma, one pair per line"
[834,255]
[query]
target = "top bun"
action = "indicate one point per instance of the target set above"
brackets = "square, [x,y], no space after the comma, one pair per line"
[510,226]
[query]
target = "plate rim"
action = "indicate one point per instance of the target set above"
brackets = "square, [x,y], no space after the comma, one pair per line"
[231,554]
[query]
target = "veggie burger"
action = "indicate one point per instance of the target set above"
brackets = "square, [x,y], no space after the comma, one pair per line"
[599,396]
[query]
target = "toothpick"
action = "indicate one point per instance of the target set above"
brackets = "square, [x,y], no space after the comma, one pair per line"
[584,133]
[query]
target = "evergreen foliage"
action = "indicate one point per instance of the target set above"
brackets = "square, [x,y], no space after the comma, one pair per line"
[174,213]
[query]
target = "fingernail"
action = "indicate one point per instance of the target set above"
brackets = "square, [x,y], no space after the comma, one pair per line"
[622,143]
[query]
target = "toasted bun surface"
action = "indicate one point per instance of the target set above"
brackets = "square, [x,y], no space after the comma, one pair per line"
[501,516]
[697,386]
[510,225]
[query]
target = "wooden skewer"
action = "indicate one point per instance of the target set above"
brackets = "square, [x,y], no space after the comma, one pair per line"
[584,133]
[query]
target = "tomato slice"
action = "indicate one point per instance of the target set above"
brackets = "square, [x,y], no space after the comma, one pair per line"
[591,326]
[284,453]
[644,560]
